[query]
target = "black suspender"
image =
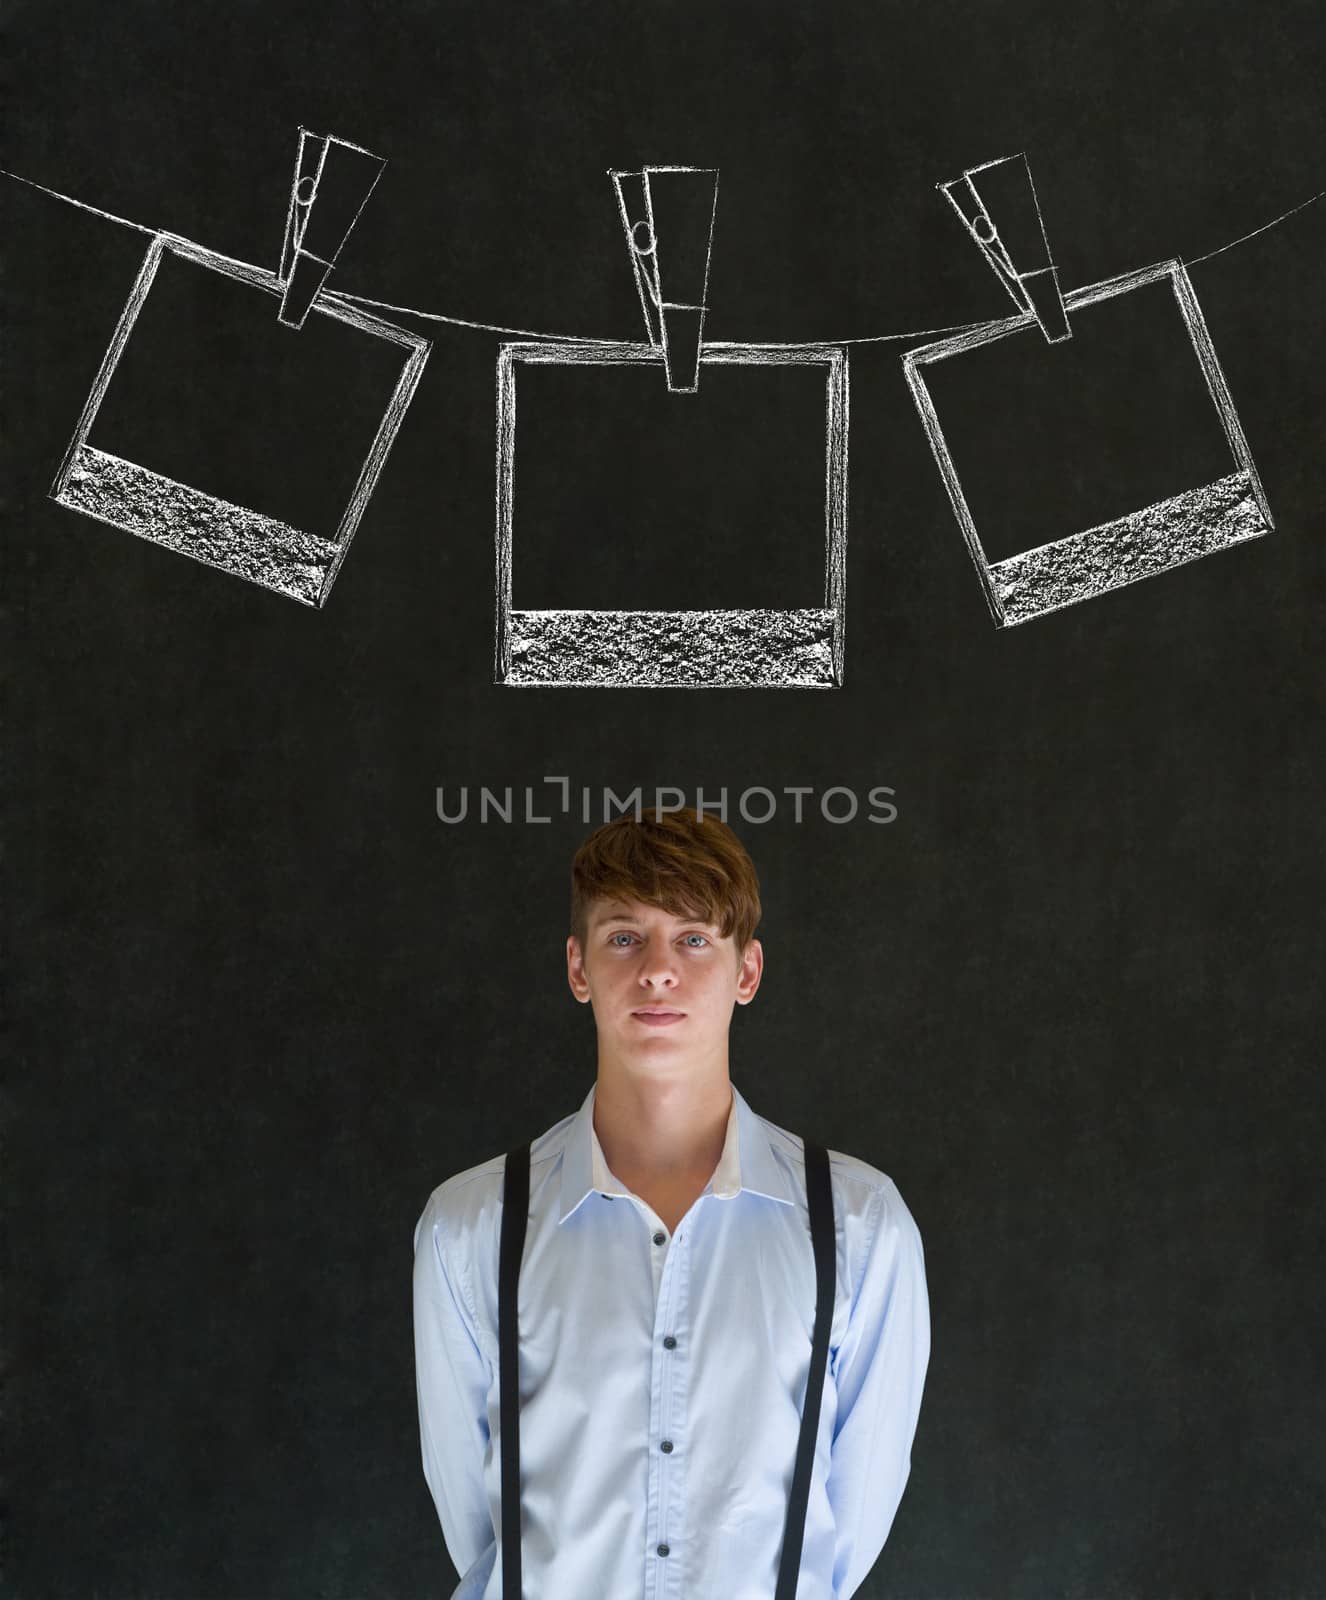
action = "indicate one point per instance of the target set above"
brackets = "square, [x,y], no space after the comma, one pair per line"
[515,1215]
[819,1199]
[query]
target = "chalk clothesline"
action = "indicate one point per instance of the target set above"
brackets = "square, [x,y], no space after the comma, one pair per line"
[585,339]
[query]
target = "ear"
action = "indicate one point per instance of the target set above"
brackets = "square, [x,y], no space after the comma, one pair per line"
[750,972]
[575,969]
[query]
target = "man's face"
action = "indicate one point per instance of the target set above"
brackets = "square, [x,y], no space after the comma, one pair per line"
[662,986]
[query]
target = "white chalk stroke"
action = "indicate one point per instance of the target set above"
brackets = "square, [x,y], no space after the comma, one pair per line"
[758,648]
[667,216]
[1006,190]
[236,539]
[1154,538]
[669,211]
[339,176]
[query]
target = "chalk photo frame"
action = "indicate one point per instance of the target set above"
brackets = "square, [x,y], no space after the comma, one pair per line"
[243,542]
[1155,538]
[729,648]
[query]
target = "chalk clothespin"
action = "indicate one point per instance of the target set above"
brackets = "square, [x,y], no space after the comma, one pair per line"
[1015,245]
[671,210]
[339,177]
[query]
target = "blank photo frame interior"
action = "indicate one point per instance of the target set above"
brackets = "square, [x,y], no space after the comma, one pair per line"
[759,647]
[1181,527]
[263,549]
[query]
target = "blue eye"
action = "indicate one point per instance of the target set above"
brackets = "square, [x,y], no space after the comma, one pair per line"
[700,937]
[614,938]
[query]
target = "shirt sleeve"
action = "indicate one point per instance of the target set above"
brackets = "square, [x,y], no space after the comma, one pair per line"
[879,1371]
[452,1376]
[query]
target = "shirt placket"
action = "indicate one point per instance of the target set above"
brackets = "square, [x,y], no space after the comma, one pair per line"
[669,1373]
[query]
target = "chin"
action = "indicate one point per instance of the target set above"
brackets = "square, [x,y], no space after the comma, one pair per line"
[646,1049]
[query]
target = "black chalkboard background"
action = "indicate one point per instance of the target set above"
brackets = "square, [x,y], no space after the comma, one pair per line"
[264,999]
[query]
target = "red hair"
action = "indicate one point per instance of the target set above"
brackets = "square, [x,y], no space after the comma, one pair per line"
[681,862]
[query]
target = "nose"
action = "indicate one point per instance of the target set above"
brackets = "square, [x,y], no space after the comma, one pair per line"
[659,967]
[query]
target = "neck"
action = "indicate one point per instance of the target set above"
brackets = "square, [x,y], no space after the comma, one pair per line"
[662,1130]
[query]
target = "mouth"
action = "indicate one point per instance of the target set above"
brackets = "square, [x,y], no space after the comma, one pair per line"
[657,1016]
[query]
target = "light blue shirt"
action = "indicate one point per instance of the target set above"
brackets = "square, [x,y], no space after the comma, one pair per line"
[662,1375]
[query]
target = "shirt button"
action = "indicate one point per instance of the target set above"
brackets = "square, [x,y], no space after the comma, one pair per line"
[666,1447]
[664,1549]
[669,1343]
[660,1238]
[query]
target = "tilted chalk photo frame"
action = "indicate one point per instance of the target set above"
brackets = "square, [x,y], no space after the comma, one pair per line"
[1195,523]
[243,542]
[756,648]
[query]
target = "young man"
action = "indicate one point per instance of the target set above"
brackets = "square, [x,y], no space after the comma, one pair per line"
[667,1286]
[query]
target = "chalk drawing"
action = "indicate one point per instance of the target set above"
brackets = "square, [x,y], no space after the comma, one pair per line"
[1183,527]
[759,648]
[237,539]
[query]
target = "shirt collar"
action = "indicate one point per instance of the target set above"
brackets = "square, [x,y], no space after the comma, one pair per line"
[747,1161]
